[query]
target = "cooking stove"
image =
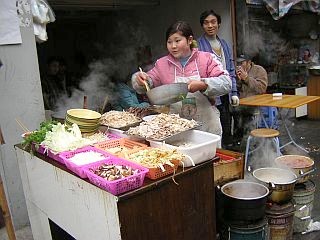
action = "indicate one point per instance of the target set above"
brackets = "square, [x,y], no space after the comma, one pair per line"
[279,209]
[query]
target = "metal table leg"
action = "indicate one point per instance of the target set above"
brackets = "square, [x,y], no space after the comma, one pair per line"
[289,134]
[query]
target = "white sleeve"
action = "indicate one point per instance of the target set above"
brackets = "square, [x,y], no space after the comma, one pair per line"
[218,86]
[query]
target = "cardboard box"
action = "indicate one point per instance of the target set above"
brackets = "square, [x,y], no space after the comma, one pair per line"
[229,167]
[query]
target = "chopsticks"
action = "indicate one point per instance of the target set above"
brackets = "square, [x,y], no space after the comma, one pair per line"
[24,128]
[145,83]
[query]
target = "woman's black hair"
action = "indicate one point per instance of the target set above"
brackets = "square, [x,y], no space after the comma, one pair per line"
[184,29]
[179,27]
[205,14]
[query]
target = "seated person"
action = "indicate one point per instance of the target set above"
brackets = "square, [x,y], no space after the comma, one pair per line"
[127,97]
[252,79]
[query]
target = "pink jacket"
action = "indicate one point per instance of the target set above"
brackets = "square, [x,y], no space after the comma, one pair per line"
[167,68]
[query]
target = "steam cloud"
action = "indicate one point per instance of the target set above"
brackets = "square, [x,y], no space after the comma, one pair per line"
[265,43]
[120,63]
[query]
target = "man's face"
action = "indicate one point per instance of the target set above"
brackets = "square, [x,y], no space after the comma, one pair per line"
[210,26]
[244,65]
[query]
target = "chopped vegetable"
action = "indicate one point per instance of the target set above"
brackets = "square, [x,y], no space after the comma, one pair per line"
[38,136]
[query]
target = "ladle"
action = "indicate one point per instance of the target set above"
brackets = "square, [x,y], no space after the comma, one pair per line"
[302,174]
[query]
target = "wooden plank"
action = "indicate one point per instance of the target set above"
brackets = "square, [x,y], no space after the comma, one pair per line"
[314,89]
[286,101]
[6,212]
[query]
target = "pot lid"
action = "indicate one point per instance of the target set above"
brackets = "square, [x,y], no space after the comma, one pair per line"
[279,209]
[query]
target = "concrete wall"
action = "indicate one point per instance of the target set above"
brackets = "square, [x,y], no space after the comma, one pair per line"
[93,34]
[20,98]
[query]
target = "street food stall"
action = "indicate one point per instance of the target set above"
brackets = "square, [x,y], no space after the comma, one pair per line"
[164,202]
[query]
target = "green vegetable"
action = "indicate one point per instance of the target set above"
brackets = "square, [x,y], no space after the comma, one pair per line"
[38,136]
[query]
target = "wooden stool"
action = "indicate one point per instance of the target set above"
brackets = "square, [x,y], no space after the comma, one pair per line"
[262,133]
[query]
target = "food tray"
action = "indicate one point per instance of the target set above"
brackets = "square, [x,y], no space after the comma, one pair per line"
[118,186]
[47,152]
[122,142]
[126,127]
[155,173]
[78,169]
[202,149]
[166,137]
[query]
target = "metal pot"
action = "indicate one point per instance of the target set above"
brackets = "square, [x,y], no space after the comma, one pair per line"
[244,201]
[299,165]
[281,183]
[168,93]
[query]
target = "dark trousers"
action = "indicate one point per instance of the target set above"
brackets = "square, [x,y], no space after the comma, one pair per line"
[244,121]
[225,118]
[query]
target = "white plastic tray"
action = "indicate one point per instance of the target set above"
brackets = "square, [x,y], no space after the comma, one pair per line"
[202,147]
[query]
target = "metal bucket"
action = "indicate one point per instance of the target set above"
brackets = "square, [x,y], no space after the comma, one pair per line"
[257,231]
[303,196]
[280,221]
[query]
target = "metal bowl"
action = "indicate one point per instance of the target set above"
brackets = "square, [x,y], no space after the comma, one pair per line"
[168,94]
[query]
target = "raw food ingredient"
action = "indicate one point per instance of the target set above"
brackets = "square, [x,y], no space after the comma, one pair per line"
[61,139]
[118,119]
[82,158]
[162,126]
[155,157]
[38,136]
[113,172]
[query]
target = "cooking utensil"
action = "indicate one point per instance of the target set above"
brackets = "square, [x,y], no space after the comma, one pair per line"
[145,83]
[280,181]
[168,94]
[244,201]
[299,165]
[303,175]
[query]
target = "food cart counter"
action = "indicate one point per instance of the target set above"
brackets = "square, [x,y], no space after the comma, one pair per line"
[160,209]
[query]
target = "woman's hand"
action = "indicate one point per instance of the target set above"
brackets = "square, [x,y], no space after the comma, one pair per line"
[142,78]
[196,85]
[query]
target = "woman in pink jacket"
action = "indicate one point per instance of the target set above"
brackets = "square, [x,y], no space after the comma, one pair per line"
[201,70]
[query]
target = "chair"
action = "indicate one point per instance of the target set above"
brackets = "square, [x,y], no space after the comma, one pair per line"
[262,133]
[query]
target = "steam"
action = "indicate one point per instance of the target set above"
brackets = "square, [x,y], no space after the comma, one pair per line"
[100,83]
[263,42]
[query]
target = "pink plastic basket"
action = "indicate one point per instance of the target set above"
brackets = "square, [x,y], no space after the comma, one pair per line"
[78,169]
[47,152]
[118,186]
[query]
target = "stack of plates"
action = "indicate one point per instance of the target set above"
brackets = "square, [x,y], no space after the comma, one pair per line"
[87,120]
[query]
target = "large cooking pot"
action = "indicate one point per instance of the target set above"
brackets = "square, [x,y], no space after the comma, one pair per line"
[280,181]
[168,93]
[244,201]
[298,164]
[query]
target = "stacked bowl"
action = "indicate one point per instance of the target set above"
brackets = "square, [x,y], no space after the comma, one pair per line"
[87,120]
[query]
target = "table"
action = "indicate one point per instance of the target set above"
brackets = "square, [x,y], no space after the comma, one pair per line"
[158,210]
[286,101]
